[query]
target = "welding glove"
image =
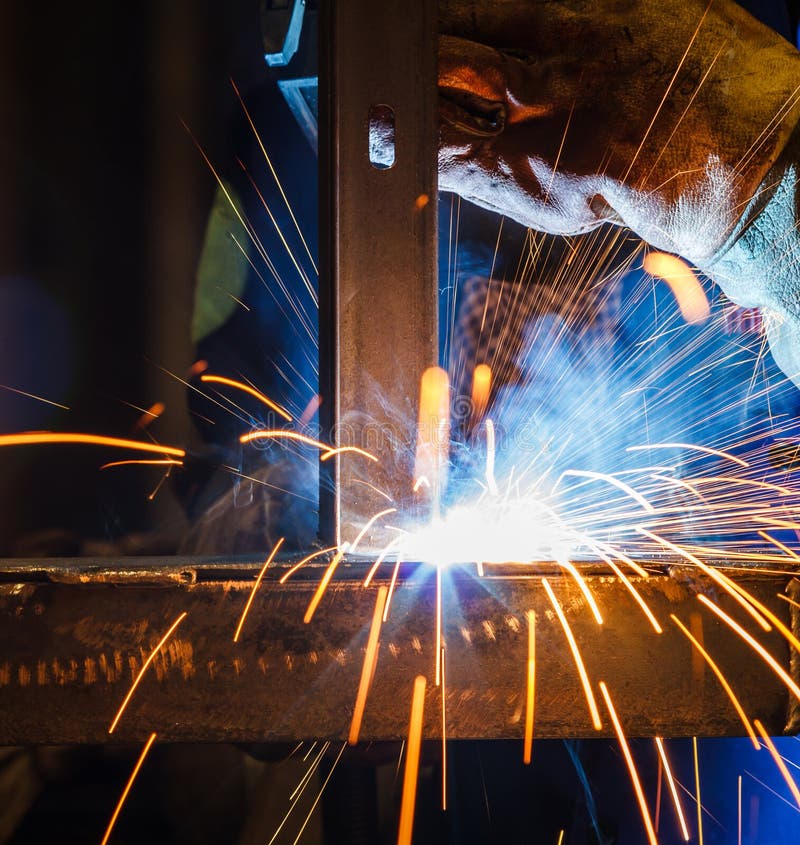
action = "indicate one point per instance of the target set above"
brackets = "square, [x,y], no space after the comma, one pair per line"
[677,120]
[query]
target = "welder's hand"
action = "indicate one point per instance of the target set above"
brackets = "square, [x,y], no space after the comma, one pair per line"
[671,118]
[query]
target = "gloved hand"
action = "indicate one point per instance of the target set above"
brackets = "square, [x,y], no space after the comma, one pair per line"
[674,119]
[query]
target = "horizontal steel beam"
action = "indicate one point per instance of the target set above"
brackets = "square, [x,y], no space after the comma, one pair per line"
[74,635]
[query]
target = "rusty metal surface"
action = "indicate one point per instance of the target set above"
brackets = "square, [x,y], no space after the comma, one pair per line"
[74,636]
[378,270]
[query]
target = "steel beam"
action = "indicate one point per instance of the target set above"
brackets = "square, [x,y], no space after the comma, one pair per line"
[378,271]
[75,635]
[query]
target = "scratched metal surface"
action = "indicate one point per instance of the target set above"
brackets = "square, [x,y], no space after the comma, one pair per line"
[75,635]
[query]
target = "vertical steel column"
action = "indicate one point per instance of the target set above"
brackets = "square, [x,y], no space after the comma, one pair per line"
[378,271]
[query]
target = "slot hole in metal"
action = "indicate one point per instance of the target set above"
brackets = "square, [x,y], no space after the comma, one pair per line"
[381,137]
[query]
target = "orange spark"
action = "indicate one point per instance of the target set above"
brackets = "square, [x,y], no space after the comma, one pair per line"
[637,786]
[779,762]
[444,737]
[328,451]
[756,646]
[706,450]
[636,595]
[610,479]
[433,432]
[741,596]
[26,438]
[370,522]
[323,585]
[257,394]
[576,655]
[139,677]
[527,745]
[368,669]
[257,584]
[199,366]
[127,789]
[392,583]
[311,408]
[406,826]
[720,677]
[584,588]
[481,388]
[697,787]
[379,560]
[683,283]
[676,802]
[438,641]
[775,542]
[421,482]
[143,462]
[421,201]
[152,413]
[288,574]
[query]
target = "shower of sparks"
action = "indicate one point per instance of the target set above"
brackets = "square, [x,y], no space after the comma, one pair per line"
[637,786]
[127,789]
[576,656]
[530,688]
[246,388]
[140,675]
[369,666]
[256,585]
[676,801]
[720,677]
[410,776]
[785,773]
[27,438]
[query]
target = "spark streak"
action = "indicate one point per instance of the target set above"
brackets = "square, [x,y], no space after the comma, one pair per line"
[530,687]
[706,450]
[323,585]
[756,646]
[720,677]
[27,438]
[697,789]
[368,669]
[127,788]
[146,663]
[408,801]
[257,584]
[143,462]
[246,388]
[279,434]
[662,751]
[779,762]
[288,574]
[637,786]
[587,687]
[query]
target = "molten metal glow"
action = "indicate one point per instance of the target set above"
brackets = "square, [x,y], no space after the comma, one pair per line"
[530,688]
[433,432]
[323,585]
[26,438]
[790,782]
[756,646]
[128,785]
[676,801]
[637,786]
[408,801]
[481,388]
[368,669]
[683,283]
[246,388]
[576,655]
[139,677]
[257,584]
[721,678]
